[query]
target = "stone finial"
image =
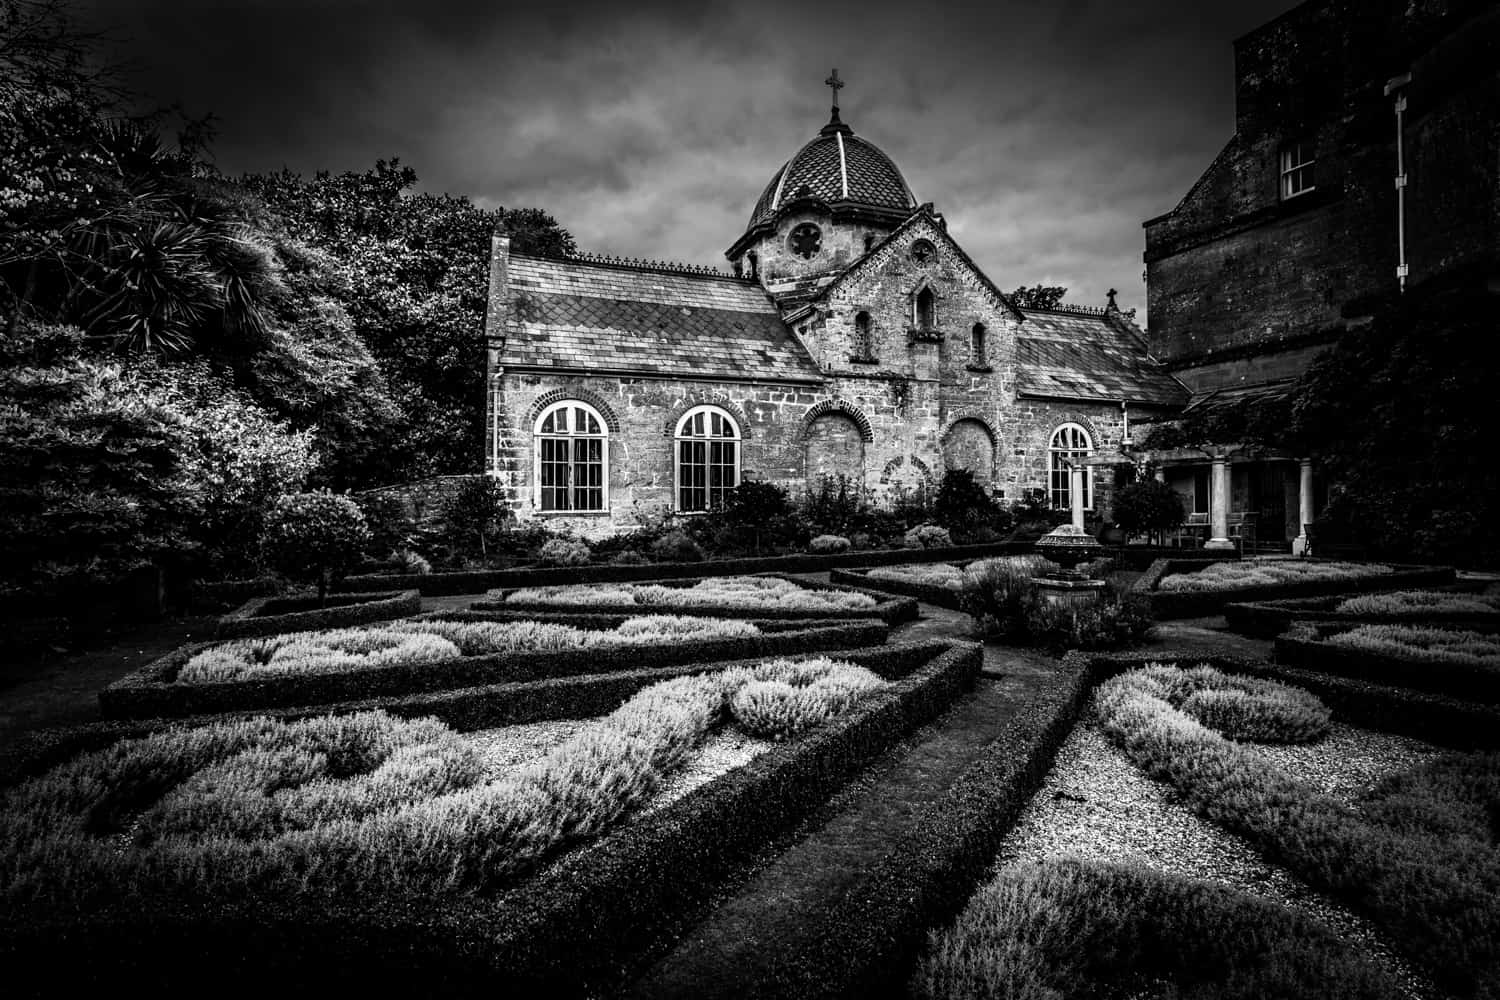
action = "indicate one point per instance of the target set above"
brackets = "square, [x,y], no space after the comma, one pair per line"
[1113,306]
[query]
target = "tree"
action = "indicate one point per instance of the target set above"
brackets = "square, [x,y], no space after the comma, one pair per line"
[477,513]
[1148,505]
[315,538]
[417,274]
[1397,414]
[964,506]
[1038,296]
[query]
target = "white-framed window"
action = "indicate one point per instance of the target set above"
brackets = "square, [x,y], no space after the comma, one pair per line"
[572,458]
[707,459]
[1297,160]
[1070,444]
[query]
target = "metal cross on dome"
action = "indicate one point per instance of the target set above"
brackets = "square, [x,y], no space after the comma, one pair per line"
[835,84]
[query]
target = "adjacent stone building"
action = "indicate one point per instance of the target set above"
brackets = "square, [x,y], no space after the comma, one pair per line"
[854,337]
[1364,161]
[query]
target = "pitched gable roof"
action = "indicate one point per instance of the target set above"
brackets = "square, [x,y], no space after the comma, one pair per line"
[621,318]
[1090,355]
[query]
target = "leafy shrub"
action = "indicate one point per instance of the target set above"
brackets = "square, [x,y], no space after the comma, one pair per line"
[391,526]
[314,537]
[837,504]
[630,557]
[1003,598]
[783,698]
[1438,645]
[998,592]
[712,592]
[476,515]
[1240,708]
[564,552]
[827,544]
[1438,896]
[410,563]
[965,507]
[1033,515]
[676,546]
[1147,505]
[427,640]
[1116,619]
[1265,573]
[1072,928]
[1416,603]
[927,536]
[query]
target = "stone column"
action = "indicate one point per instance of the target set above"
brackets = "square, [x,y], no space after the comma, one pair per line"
[1075,494]
[1218,506]
[1305,512]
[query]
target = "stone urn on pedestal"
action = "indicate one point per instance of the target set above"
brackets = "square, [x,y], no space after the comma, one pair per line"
[1068,545]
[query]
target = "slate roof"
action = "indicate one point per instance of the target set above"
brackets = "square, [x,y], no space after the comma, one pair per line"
[873,179]
[580,315]
[1064,354]
[1233,397]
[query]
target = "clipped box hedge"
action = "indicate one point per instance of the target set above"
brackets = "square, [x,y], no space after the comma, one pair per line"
[275,615]
[152,691]
[571,928]
[1189,604]
[891,610]
[479,581]
[1271,618]
[866,941]
[1304,646]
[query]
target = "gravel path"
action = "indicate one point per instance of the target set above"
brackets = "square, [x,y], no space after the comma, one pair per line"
[507,747]
[1098,805]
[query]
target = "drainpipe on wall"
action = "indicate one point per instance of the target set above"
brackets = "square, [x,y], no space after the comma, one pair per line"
[1396,85]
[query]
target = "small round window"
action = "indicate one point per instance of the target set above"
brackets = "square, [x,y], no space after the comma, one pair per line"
[806,240]
[923,252]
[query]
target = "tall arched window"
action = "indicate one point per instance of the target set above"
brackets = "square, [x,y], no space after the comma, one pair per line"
[864,343]
[1070,444]
[976,345]
[572,458]
[924,310]
[708,458]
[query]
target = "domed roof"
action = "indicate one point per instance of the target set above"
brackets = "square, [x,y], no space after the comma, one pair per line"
[836,167]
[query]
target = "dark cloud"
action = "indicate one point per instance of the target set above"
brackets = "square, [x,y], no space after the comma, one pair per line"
[1046,132]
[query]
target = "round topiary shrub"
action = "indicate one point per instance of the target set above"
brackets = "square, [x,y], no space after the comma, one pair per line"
[676,546]
[928,536]
[314,538]
[564,552]
[828,544]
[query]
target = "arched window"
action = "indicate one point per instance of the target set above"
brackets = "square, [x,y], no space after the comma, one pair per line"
[572,458]
[1070,444]
[976,345]
[864,343]
[708,458]
[924,310]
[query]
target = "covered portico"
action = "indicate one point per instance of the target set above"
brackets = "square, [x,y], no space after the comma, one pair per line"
[1239,494]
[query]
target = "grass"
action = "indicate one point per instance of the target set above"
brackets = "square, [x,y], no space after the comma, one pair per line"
[1420,856]
[354,804]
[1414,642]
[1268,573]
[1070,928]
[713,592]
[1416,603]
[427,641]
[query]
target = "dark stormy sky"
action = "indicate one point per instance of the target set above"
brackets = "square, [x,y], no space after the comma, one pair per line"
[1046,132]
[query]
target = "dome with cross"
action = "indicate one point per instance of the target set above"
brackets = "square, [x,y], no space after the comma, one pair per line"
[839,169]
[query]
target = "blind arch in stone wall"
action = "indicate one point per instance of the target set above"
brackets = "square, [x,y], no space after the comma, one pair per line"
[969,443]
[833,446]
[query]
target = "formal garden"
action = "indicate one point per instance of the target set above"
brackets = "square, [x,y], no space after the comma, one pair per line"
[272,728]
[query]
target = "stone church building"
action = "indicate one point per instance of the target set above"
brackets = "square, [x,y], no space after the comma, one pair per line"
[854,337]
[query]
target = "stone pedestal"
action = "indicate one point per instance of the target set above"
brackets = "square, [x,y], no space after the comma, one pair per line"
[1075,592]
